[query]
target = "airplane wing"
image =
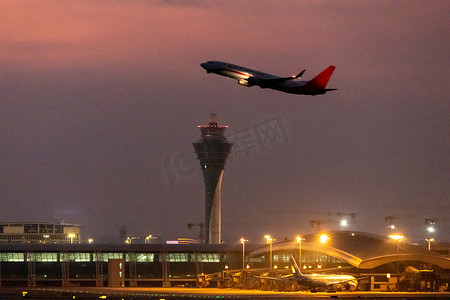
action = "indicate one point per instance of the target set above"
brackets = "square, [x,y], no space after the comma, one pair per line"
[339,281]
[271,278]
[281,79]
[282,278]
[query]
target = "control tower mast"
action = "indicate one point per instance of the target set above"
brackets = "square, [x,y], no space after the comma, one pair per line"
[212,150]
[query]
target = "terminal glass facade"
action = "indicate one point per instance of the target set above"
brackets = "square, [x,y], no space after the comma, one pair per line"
[90,268]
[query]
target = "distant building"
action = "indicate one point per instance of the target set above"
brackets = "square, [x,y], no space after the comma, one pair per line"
[39,233]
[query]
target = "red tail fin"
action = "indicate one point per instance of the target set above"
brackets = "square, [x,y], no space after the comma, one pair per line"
[321,80]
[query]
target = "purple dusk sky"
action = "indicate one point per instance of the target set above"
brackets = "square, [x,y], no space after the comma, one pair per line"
[100,102]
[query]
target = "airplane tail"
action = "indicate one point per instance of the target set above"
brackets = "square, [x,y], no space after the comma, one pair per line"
[321,80]
[295,267]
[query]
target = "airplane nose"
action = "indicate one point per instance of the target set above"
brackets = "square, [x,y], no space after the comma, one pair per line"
[207,66]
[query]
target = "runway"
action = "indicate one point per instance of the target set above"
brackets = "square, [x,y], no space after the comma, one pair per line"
[88,293]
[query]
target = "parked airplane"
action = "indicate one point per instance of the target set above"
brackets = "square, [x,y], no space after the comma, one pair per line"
[317,282]
[248,77]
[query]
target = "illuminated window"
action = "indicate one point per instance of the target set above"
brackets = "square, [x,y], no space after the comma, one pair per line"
[12,257]
[80,257]
[257,259]
[209,257]
[178,257]
[145,257]
[141,257]
[45,257]
[107,256]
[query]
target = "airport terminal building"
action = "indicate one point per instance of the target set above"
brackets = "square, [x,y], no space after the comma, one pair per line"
[379,259]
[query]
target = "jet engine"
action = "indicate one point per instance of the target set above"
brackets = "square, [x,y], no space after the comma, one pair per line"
[351,285]
[245,82]
[255,81]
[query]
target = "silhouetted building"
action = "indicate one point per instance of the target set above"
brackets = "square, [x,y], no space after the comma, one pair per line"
[39,233]
[212,150]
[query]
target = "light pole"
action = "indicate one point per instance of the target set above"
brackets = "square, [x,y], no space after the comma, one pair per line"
[147,239]
[130,239]
[299,241]
[429,243]
[243,252]
[323,239]
[397,238]
[269,241]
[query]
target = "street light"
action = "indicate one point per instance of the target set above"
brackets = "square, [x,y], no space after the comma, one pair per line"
[343,218]
[243,252]
[431,225]
[299,241]
[429,243]
[130,239]
[390,221]
[90,241]
[147,239]
[397,238]
[323,239]
[269,241]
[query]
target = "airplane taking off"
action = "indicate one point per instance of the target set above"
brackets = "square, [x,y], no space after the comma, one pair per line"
[248,77]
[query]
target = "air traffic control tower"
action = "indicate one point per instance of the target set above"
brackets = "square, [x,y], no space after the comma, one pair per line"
[212,150]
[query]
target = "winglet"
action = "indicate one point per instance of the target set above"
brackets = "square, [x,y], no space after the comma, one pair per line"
[321,80]
[300,74]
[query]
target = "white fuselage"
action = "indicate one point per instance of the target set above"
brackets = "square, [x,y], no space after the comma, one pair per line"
[242,74]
